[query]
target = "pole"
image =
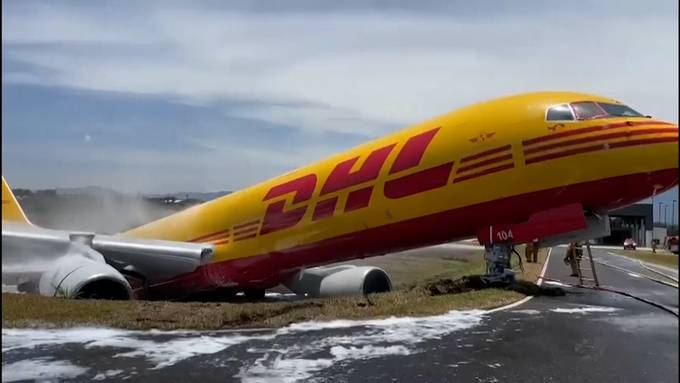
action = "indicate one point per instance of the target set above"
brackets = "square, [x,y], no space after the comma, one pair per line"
[665,222]
[653,194]
[673,214]
[660,204]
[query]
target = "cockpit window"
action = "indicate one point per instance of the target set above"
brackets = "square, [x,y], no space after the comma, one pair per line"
[559,113]
[587,110]
[619,110]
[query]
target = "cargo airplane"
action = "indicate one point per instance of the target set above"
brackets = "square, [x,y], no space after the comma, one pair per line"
[544,166]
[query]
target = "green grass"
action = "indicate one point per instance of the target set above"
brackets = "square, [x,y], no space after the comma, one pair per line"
[410,272]
[661,257]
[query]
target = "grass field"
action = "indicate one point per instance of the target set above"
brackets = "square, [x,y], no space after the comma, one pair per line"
[410,272]
[661,257]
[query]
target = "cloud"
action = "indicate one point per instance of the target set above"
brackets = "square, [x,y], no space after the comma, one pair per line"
[237,79]
[392,67]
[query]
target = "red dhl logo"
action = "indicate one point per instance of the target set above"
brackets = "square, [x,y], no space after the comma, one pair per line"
[342,178]
[402,182]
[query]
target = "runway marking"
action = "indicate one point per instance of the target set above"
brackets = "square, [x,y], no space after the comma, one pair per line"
[650,268]
[585,310]
[557,284]
[673,285]
[526,299]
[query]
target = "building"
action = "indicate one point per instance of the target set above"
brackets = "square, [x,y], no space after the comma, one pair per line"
[634,221]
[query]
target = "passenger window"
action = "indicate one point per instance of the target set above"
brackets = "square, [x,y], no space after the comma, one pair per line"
[559,113]
[587,110]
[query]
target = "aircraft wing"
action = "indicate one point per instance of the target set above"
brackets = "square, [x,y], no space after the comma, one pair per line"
[156,260]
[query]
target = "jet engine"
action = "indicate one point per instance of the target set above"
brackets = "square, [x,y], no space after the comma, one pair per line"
[339,280]
[84,274]
[89,265]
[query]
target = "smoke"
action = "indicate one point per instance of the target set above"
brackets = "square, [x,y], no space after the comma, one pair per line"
[103,212]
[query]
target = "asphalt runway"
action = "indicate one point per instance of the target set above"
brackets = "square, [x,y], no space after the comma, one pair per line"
[585,336]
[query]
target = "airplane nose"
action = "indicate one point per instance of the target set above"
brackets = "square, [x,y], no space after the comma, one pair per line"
[653,149]
[644,156]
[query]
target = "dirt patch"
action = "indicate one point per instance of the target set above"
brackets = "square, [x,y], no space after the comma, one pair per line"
[478,282]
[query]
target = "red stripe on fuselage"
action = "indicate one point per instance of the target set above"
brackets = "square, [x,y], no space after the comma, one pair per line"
[599,138]
[483,172]
[598,147]
[484,163]
[656,140]
[486,153]
[590,129]
[212,236]
[247,224]
[246,236]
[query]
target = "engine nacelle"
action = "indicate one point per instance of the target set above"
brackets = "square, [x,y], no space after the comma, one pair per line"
[339,281]
[84,274]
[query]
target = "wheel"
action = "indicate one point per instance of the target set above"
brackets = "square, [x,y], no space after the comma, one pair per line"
[254,293]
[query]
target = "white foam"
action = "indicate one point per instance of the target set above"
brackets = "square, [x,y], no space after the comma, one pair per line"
[107,374]
[365,352]
[584,310]
[282,361]
[527,311]
[283,370]
[367,339]
[30,338]
[161,352]
[634,275]
[40,369]
[168,352]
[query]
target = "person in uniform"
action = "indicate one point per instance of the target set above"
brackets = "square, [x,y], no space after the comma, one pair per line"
[531,251]
[573,257]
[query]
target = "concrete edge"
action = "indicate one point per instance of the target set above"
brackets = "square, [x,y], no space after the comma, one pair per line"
[539,281]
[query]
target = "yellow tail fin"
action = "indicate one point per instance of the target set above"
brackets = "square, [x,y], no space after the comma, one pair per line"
[11,211]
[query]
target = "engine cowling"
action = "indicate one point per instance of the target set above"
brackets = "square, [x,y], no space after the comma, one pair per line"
[84,274]
[340,281]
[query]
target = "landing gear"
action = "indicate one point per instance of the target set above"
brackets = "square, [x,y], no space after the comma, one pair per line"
[253,293]
[498,268]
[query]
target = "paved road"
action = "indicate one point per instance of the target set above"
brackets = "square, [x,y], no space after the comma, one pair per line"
[585,336]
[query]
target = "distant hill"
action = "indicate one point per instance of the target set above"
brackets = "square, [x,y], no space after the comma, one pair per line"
[86,190]
[98,191]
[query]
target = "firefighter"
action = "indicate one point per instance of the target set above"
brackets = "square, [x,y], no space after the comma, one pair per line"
[531,251]
[573,257]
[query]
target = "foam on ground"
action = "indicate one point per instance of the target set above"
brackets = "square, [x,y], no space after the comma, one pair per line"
[40,369]
[291,353]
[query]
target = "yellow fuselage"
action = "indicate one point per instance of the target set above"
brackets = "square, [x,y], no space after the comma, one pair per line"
[486,152]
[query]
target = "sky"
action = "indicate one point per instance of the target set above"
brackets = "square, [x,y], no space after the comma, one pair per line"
[160,96]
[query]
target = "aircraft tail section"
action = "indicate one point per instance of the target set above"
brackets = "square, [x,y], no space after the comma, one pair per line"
[11,210]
